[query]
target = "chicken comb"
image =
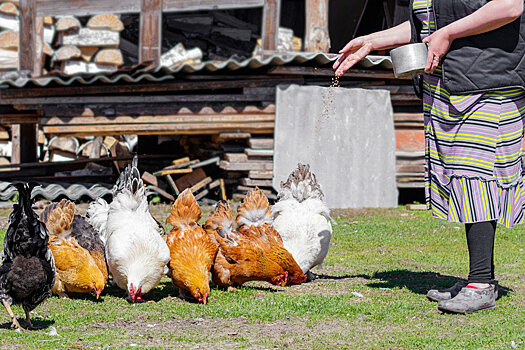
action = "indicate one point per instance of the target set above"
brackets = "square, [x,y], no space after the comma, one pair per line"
[301,185]
[58,217]
[255,209]
[185,212]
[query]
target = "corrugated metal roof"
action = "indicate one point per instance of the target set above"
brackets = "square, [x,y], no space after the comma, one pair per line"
[18,79]
[53,191]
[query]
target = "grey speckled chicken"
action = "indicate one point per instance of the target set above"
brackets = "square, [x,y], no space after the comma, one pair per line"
[27,273]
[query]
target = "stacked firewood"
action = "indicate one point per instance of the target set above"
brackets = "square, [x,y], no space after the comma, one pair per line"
[92,48]
[9,36]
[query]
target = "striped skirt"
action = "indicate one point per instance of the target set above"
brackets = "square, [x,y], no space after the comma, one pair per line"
[473,169]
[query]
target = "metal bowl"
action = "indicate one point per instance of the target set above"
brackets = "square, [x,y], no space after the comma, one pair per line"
[409,60]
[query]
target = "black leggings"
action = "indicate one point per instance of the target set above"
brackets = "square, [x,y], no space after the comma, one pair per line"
[480,241]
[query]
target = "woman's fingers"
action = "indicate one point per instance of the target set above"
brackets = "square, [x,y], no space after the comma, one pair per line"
[340,60]
[352,59]
[352,45]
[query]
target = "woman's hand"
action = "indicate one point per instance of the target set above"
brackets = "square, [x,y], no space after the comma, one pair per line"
[438,45]
[353,52]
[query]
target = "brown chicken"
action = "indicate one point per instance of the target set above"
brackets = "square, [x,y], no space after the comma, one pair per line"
[254,218]
[241,257]
[192,250]
[76,269]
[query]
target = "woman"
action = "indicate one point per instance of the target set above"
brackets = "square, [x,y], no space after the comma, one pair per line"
[474,102]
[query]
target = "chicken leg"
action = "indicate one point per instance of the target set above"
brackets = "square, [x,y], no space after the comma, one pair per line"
[12,315]
[28,318]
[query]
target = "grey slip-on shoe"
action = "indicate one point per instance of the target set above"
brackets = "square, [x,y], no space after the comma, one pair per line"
[470,300]
[446,294]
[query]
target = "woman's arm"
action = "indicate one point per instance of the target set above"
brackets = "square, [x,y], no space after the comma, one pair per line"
[359,47]
[494,14]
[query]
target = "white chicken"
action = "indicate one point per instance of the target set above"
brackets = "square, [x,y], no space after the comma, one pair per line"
[302,219]
[137,255]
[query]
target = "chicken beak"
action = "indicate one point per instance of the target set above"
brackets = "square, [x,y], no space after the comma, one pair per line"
[97,292]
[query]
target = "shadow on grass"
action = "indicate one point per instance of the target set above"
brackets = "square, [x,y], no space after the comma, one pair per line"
[37,324]
[417,282]
[163,290]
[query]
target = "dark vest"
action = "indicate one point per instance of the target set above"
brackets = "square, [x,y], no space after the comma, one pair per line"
[490,61]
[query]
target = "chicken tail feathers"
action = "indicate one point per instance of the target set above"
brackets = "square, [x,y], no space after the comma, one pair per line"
[254,210]
[221,220]
[301,185]
[97,216]
[185,212]
[129,179]
[58,218]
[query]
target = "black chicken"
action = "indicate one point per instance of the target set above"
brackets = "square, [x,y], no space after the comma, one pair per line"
[27,273]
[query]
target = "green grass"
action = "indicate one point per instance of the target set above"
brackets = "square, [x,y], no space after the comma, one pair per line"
[391,257]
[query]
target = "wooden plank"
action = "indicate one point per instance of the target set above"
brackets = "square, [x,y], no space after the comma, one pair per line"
[223,190]
[251,152]
[15,144]
[134,98]
[162,193]
[351,73]
[271,21]
[180,161]
[38,65]
[201,195]
[214,160]
[198,5]
[191,179]
[416,207]
[92,37]
[236,157]
[157,119]
[172,171]
[214,184]
[150,40]
[200,184]
[227,136]
[181,165]
[258,174]
[161,129]
[248,189]
[239,82]
[260,143]
[252,182]
[28,39]
[317,37]
[225,165]
[150,179]
[172,184]
[95,7]
[22,118]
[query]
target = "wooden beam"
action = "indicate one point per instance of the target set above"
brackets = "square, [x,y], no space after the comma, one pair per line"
[317,37]
[158,119]
[28,35]
[351,73]
[97,7]
[24,143]
[271,22]
[39,51]
[150,41]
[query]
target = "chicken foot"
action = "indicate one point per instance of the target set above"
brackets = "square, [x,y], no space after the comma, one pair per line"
[15,324]
[28,318]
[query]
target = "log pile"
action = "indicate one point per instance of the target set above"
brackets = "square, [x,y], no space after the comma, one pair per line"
[91,48]
[9,36]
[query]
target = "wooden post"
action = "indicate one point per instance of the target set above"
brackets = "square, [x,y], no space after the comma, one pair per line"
[27,34]
[23,143]
[150,31]
[271,21]
[317,37]
[39,51]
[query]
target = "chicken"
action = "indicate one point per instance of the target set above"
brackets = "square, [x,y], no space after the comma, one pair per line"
[302,218]
[135,251]
[192,249]
[241,257]
[253,217]
[77,270]
[27,273]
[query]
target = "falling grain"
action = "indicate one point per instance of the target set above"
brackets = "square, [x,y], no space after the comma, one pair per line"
[328,99]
